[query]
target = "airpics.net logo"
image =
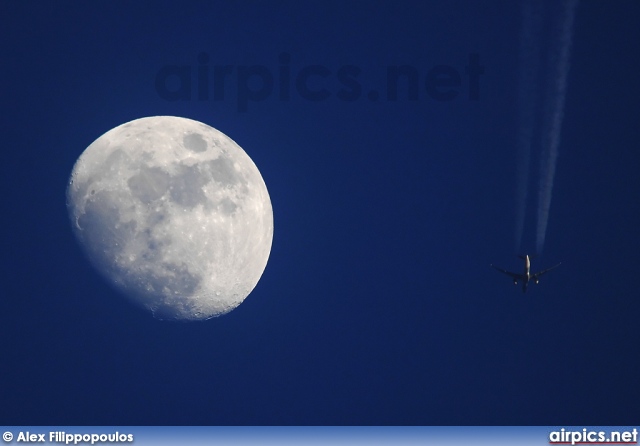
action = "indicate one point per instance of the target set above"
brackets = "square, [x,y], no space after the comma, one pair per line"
[586,436]
[206,81]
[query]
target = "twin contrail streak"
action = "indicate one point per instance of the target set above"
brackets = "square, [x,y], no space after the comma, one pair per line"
[553,78]
[557,86]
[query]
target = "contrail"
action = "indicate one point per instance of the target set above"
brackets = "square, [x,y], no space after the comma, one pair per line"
[554,112]
[528,83]
[548,26]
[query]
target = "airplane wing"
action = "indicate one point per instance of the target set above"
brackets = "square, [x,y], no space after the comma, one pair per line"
[513,275]
[537,275]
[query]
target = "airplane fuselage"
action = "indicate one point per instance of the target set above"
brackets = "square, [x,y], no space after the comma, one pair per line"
[526,275]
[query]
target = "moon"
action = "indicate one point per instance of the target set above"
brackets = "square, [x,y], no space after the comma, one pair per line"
[174,214]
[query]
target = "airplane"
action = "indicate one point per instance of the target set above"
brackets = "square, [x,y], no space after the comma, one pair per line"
[526,276]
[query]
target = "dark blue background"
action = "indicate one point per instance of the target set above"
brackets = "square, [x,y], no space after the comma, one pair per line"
[377,305]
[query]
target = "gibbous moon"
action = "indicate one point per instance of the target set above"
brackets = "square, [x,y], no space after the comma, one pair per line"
[174,214]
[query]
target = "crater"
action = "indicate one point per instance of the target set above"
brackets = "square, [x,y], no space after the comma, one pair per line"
[194,142]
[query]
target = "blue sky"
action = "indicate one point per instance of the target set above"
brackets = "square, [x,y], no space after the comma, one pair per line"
[377,305]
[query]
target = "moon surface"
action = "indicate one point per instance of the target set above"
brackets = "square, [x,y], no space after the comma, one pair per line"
[174,214]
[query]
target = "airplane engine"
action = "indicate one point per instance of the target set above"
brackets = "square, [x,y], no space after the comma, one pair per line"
[536,280]
[515,282]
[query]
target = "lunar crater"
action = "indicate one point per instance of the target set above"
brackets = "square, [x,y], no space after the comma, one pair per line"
[194,142]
